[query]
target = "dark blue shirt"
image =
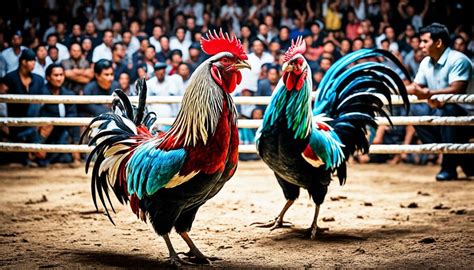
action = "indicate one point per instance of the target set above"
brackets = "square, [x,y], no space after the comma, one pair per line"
[93,89]
[15,86]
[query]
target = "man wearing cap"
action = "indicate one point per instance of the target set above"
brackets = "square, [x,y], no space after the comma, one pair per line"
[162,85]
[103,84]
[12,54]
[23,81]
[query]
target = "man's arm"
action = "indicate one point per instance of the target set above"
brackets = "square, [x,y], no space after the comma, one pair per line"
[422,92]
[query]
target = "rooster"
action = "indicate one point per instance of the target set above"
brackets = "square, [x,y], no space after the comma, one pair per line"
[168,176]
[304,147]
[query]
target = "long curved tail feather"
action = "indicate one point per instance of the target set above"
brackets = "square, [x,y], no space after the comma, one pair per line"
[116,134]
[350,94]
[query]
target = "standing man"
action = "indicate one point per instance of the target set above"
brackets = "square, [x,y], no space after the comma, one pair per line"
[442,71]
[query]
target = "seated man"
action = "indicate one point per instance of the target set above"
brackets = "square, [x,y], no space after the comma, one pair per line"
[442,71]
[55,76]
[103,84]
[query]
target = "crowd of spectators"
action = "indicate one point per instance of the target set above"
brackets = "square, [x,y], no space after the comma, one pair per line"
[94,47]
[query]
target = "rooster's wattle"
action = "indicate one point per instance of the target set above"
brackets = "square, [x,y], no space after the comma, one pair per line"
[167,177]
[303,146]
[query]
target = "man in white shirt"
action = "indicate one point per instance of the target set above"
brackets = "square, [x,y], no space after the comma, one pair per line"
[442,71]
[104,50]
[178,42]
[256,59]
[63,52]
[12,54]
[155,38]
[42,61]
[162,85]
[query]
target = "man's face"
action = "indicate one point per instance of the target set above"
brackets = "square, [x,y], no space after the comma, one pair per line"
[76,30]
[257,47]
[459,45]
[105,78]
[427,45]
[284,34]
[272,75]
[108,39]
[75,51]
[56,79]
[164,43]
[54,54]
[263,29]
[183,71]
[41,53]
[160,74]
[389,33]
[52,40]
[90,28]
[127,37]
[16,41]
[30,65]
[150,53]
[124,81]
[157,32]
[180,34]
[415,43]
[325,64]
[120,51]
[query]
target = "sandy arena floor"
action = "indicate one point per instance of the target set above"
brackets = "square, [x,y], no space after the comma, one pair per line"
[384,217]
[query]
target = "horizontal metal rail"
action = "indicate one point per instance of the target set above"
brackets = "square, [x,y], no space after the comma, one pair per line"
[441,148]
[243,123]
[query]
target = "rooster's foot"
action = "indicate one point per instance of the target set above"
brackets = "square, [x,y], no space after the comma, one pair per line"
[314,232]
[176,261]
[273,224]
[198,258]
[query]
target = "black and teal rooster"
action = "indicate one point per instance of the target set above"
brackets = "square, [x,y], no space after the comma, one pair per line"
[305,147]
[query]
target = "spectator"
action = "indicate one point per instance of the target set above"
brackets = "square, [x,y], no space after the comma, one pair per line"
[103,84]
[86,46]
[389,35]
[58,134]
[405,38]
[118,60]
[149,59]
[185,72]
[117,30]
[53,54]
[267,85]
[155,38]
[345,47]
[409,59]
[23,81]
[442,71]
[132,44]
[176,58]
[231,15]
[317,35]
[12,54]
[352,25]
[165,49]
[125,85]
[161,85]
[77,70]
[332,16]
[104,50]
[246,37]
[195,56]
[264,34]
[91,33]
[75,36]
[42,61]
[407,12]
[178,42]
[139,55]
[100,21]
[284,38]
[52,41]
[196,9]
[256,59]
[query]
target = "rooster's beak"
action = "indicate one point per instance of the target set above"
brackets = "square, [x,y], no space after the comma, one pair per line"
[287,67]
[242,64]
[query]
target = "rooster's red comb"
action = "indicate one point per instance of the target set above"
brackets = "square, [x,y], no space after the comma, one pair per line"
[215,43]
[296,47]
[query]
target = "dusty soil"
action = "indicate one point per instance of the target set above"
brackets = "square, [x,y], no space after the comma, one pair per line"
[384,217]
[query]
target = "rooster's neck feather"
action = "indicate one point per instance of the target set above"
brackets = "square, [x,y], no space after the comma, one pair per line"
[201,109]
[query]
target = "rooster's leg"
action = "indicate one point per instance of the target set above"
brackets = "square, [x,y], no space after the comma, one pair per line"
[278,221]
[315,230]
[194,254]
[174,258]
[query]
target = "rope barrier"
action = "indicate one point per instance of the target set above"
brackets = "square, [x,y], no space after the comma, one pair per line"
[68,99]
[243,123]
[442,148]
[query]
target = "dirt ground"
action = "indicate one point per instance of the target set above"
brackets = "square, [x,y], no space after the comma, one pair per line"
[385,216]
